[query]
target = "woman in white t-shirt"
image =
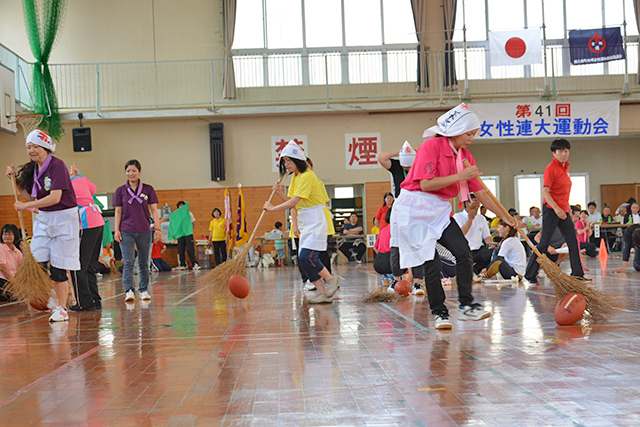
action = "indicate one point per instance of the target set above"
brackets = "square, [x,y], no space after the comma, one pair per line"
[509,258]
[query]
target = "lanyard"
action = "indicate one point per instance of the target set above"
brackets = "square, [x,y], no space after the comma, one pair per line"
[36,176]
[464,187]
[135,195]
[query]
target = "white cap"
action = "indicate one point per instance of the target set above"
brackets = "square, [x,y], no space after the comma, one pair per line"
[40,138]
[454,122]
[293,150]
[407,155]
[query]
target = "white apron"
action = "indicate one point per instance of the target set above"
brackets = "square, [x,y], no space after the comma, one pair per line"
[418,220]
[56,238]
[312,223]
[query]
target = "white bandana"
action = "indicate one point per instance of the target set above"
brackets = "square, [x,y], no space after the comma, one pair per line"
[457,121]
[40,138]
[407,155]
[293,150]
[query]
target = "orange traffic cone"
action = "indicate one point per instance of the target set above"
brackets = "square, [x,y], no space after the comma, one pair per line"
[603,249]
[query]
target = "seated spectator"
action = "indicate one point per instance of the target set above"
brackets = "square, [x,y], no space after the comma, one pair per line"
[10,257]
[594,215]
[606,217]
[477,233]
[279,243]
[583,229]
[374,229]
[106,262]
[631,241]
[156,255]
[509,258]
[632,217]
[557,242]
[534,220]
[353,248]
[483,212]
[621,214]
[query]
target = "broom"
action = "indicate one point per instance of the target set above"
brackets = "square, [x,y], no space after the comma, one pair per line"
[598,302]
[31,281]
[220,275]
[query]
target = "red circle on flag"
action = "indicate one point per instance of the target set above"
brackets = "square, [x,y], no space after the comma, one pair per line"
[515,47]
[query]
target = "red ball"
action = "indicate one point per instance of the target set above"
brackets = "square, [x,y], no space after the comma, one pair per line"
[402,287]
[238,286]
[570,309]
[39,304]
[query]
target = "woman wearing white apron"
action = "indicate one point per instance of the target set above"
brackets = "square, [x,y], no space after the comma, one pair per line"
[305,194]
[422,214]
[45,185]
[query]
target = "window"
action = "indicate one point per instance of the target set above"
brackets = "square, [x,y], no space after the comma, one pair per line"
[493,184]
[579,189]
[528,193]
[343,192]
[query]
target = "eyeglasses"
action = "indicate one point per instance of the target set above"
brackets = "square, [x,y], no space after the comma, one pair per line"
[286,160]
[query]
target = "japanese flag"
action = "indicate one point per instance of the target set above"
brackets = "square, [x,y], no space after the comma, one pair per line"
[521,47]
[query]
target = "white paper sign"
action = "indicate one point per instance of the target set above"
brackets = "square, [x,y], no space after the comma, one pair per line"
[362,149]
[548,119]
[278,142]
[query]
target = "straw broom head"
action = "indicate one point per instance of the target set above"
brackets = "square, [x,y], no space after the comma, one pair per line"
[381,296]
[31,281]
[220,275]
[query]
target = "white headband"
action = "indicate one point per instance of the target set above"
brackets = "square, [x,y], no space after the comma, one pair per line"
[293,150]
[40,138]
[457,121]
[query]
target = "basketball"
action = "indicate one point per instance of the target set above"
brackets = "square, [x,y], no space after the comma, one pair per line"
[402,287]
[39,304]
[238,286]
[570,309]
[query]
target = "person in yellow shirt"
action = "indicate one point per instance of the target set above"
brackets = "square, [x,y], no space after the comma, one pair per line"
[308,198]
[218,237]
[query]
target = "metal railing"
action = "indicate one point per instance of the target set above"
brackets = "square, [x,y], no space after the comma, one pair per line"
[325,77]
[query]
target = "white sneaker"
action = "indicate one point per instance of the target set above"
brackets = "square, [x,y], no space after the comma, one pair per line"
[129,296]
[144,295]
[308,286]
[392,287]
[443,322]
[472,312]
[98,274]
[59,315]
[196,267]
[417,289]
[332,286]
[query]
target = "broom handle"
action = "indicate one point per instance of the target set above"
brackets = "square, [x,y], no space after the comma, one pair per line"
[255,229]
[504,211]
[15,194]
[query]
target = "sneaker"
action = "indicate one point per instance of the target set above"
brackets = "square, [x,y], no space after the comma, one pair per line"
[98,274]
[446,282]
[309,295]
[78,307]
[182,267]
[144,295]
[332,286]
[392,286]
[529,282]
[59,315]
[443,322]
[52,303]
[417,289]
[322,298]
[308,286]
[129,296]
[196,267]
[472,312]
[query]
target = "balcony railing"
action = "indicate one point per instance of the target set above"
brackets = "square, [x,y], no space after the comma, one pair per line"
[322,78]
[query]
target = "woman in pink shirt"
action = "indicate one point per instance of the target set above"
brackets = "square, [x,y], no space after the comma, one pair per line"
[422,213]
[10,257]
[91,227]
[583,231]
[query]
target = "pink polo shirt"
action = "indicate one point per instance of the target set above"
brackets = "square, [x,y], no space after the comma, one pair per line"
[383,242]
[90,215]
[584,237]
[12,258]
[434,158]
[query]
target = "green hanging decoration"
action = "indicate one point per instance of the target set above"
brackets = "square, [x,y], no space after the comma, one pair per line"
[43,22]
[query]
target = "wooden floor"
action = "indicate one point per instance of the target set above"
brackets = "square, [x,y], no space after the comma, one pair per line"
[189,357]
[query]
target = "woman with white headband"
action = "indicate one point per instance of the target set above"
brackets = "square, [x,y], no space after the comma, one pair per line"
[422,214]
[45,184]
[307,197]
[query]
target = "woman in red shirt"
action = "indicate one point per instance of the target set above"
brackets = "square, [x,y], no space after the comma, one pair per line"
[380,221]
[555,211]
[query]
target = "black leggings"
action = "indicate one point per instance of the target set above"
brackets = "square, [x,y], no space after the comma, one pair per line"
[219,251]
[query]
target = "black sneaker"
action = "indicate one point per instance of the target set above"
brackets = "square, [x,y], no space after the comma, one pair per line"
[392,286]
[79,308]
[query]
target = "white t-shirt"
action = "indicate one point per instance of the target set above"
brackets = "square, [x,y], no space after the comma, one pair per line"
[514,254]
[594,218]
[532,222]
[636,218]
[478,231]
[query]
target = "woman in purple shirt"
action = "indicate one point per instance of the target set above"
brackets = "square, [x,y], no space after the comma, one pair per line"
[132,227]
[45,185]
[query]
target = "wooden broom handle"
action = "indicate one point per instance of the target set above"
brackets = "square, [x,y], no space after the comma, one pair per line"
[15,194]
[255,229]
[504,211]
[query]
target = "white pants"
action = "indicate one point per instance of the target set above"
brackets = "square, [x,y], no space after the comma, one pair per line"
[56,238]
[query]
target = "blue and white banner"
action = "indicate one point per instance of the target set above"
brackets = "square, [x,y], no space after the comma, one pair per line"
[592,46]
[548,119]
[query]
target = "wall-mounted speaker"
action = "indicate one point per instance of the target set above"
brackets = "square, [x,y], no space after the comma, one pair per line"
[81,139]
[216,141]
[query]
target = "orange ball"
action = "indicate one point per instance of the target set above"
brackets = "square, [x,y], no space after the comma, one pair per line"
[402,287]
[570,309]
[38,304]
[238,286]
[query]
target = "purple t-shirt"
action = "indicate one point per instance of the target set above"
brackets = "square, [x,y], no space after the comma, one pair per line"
[135,214]
[56,177]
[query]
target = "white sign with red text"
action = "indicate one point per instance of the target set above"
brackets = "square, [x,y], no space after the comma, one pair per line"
[548,119]
[278,142]
[362,149]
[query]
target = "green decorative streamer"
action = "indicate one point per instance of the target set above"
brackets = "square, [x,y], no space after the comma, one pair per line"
[43,22]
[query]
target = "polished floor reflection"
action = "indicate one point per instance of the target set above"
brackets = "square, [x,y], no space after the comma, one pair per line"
[189,357]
